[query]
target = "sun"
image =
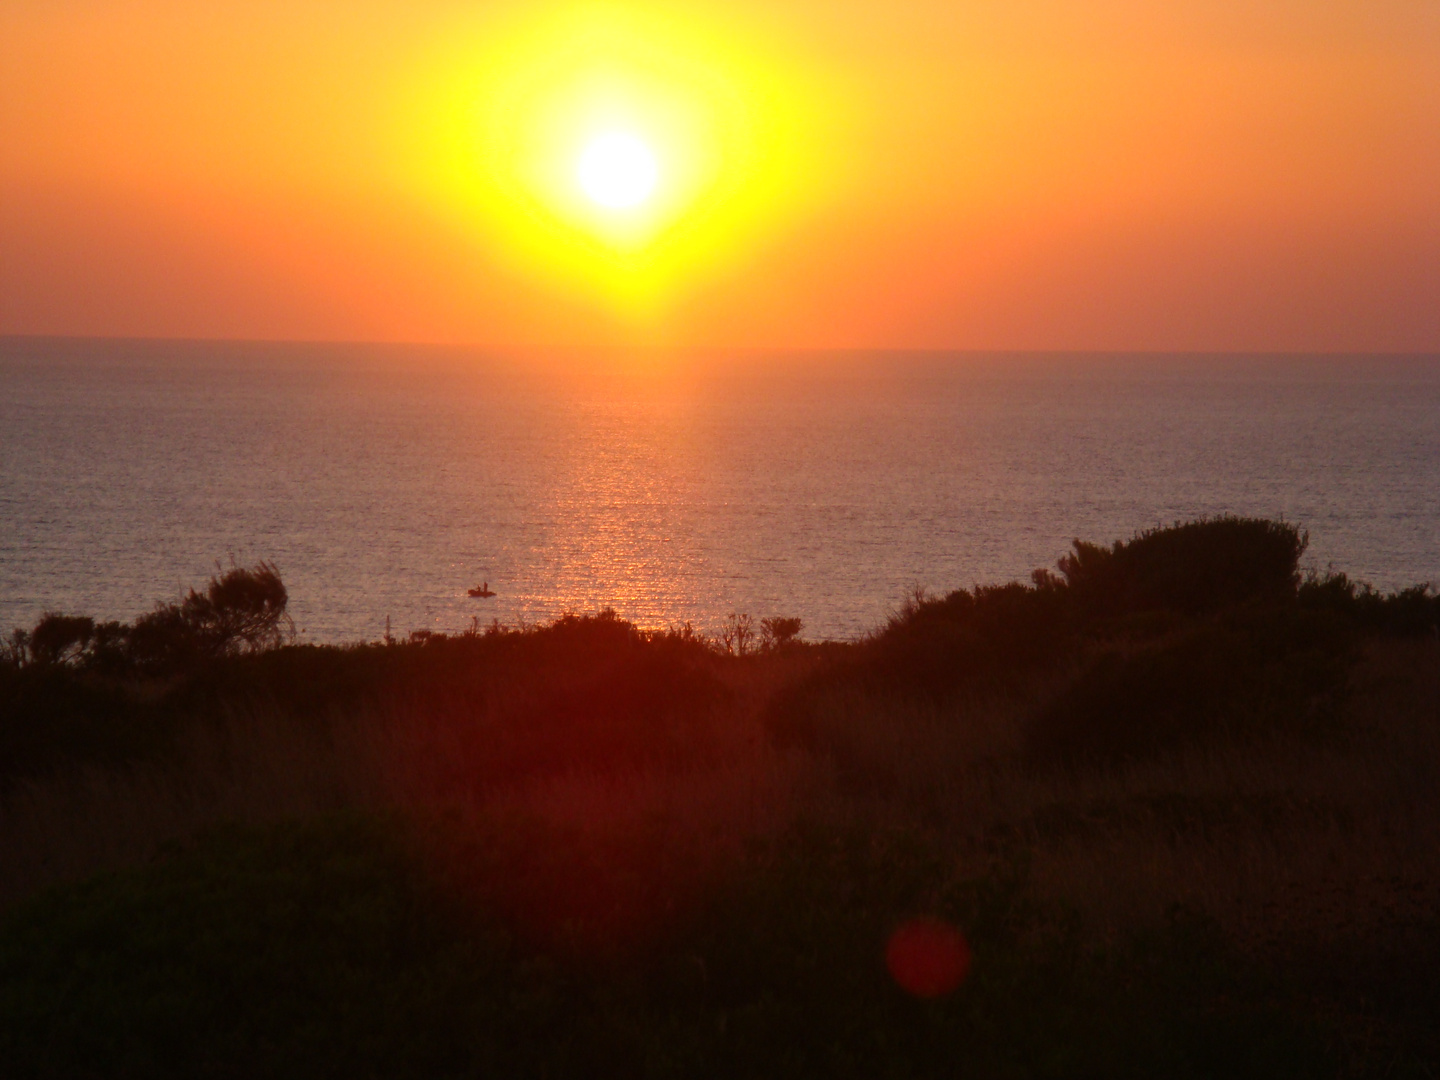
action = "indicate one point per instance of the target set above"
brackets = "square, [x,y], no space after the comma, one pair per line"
[621,153]
[617,170]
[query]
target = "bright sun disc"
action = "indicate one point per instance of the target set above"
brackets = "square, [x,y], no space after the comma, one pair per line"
[617,170]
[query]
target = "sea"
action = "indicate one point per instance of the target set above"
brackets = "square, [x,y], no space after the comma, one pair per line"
[675,487]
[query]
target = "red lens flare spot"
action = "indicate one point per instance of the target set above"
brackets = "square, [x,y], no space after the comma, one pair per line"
[927,957]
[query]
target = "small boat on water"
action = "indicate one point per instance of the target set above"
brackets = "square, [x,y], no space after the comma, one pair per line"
[483,591]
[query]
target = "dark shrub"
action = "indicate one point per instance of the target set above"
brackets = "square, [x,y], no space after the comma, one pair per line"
[980,643]
[983,640]
[778,631]
[1252,673]
[242,610]
[60,639]
[73,690]
[52,717]
[587,692]
[1196,567]
[1411,612]
[1176,632]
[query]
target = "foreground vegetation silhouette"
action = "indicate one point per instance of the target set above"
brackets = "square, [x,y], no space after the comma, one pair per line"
[1170,809]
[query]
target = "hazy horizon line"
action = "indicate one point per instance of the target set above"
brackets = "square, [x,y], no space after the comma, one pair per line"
[8,338]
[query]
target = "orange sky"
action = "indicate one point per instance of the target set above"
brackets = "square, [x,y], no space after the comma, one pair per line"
[1029,174]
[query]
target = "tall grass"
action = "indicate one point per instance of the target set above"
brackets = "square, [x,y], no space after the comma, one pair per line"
[1122,743]
[1233,829]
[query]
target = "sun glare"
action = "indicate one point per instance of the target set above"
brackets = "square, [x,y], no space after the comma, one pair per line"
[617,170]
[624,153]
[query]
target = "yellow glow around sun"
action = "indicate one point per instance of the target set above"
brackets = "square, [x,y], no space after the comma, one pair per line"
[614,149]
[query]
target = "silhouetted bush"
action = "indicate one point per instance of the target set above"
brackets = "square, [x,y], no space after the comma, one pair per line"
[737,634]
[60,639]
[777,632]
[1407,613]
[544,903]
[582,692]
[1176,634]
[69,688]
[1193,568]
[240,611]
[589,692]
[1250,673]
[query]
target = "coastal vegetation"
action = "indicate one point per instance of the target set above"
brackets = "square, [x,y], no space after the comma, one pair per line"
[1178,800]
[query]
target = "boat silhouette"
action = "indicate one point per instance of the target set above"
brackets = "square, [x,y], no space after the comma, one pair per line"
[483,591]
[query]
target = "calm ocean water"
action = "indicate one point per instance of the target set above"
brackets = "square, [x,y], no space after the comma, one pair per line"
[385,481]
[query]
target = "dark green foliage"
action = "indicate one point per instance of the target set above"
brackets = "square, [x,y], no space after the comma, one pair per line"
[584,692]
[969,644]
[1192,568]
[777,632]
[51,718]
[316,951]
[1410,612]
[240,611]
[335,949]
[1177,635]
[589,692]
[326,950]
[59,639]
[1253,672]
